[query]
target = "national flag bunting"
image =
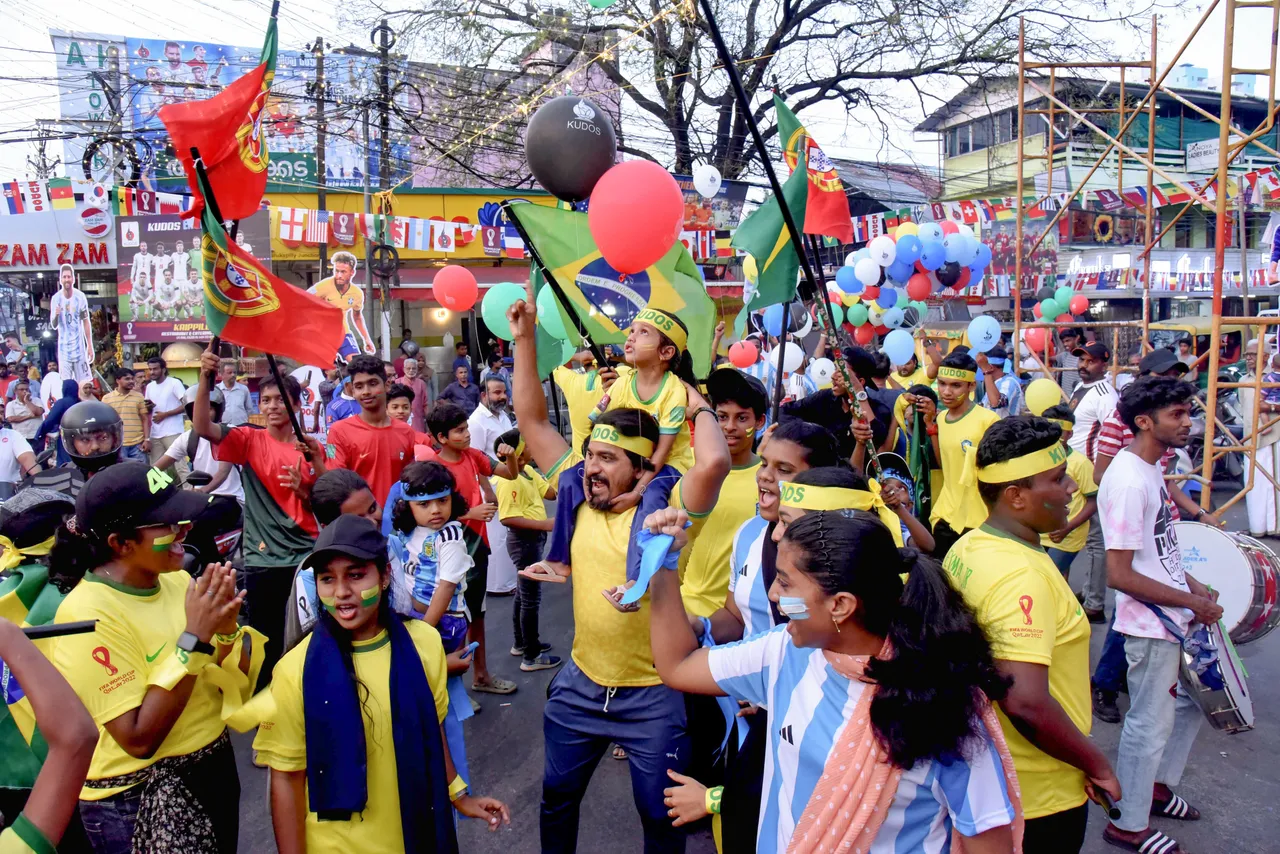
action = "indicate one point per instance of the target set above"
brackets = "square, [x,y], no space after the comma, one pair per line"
[317,228]
[12,199]
[827,207]
[61,195]
[293,224]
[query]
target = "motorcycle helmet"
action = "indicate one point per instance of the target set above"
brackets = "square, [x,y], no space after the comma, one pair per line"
[92,435]
[216,402]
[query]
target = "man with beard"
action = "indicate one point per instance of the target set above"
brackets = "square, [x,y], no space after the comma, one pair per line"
[610,691]
[490,419]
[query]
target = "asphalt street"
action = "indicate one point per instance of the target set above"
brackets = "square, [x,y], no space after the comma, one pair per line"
[1234,780]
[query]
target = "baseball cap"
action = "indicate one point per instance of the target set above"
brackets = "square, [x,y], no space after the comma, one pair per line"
[353,536]
[729,383]
[1159,361]
[135,493]
[1096,349]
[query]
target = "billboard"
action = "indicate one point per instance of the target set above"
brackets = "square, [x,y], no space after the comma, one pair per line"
[158,275]
[91,77]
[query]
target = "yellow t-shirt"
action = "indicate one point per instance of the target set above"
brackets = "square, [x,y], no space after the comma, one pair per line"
[110,668]
[705,580]
[281,741]
[581,394]
[23,837]
[961,506]
[522,497]
[1080,470]
[1031,615]
[919,377]
[351,304]
[667,406]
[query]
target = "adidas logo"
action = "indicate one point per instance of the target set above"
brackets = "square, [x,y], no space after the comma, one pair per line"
[785,734]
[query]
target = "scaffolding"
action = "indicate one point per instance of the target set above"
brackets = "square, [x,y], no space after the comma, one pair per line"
[1232,141]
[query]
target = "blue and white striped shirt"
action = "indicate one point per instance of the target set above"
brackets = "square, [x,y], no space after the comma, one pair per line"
[809,704]
[746,577]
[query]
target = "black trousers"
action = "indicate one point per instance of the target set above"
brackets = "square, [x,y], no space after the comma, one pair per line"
[944,537]
[268,591]
[743,781]
[1058,833]
[525,548]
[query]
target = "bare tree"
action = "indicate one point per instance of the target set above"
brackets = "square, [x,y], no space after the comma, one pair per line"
[891,57]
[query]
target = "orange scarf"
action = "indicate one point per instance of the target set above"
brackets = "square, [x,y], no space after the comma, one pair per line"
[859,782]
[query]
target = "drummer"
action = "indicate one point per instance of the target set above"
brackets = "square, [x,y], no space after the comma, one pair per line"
[1156,601]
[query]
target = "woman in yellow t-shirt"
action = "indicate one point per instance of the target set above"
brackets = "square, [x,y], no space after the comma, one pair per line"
[164,665]
[355,736]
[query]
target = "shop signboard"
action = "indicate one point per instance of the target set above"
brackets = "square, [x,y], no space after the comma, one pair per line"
[45,241]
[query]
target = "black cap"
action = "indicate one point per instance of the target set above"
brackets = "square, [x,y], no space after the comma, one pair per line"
[729,383]
[1096,349]
[1159,361]
[135,493]
[350,535]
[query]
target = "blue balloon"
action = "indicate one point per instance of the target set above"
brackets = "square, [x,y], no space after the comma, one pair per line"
[984,256]
[864,252]
[908,248]
[893,317]
[984,333]
[901,270]
[899,346]
[968,251]
[888,298]
[932,254]
[976,273]
[952,247]
[847,281]
[930,231]
[773,320]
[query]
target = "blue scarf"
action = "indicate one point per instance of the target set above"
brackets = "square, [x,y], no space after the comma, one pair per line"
[337,761]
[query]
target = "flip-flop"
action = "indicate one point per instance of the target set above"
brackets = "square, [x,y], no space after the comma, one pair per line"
[619,753]
[1175,808]
[532,573]
[1154,842]
[625,609]
[496,686]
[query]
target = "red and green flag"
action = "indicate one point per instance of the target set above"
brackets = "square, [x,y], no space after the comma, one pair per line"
[827,209]
[227,130]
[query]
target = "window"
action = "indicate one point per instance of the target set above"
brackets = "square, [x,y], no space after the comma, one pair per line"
[1182,233]
[958,141]
[983,133]
[1007,126]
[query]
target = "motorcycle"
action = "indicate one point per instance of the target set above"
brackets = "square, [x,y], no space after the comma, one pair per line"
[218,536]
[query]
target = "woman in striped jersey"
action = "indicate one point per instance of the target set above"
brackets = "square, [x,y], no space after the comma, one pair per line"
[881,734]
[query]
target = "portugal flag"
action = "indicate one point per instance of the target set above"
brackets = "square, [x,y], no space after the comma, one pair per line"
[227,130]
[246,305]
[827,211]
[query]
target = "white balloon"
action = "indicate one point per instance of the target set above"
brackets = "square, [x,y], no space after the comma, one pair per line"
[883,250]
[706,180]
[964,230]
[792,356]
[875,314]
[821,371]
[867,271]
[851,259]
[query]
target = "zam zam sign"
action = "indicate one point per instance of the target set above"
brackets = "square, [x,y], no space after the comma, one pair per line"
[46,241]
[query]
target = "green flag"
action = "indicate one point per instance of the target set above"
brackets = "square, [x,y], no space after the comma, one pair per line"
[763,235]
[606,300]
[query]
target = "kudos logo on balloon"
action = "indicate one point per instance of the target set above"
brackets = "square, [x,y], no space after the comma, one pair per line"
[585,118]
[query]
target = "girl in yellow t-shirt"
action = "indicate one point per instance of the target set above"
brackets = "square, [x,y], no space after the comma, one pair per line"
[164,665]
[356,733]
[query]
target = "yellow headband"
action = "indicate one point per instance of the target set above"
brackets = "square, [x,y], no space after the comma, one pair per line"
[12,556]
[610,436]
[817,498]
[1024,466]
[666,324]
[1063,423]
[957,374]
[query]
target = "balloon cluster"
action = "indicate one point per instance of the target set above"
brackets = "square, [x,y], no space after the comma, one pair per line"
[1059,305]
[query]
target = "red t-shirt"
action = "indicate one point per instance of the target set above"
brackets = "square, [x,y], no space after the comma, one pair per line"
[466,472]
[254,447]
[375,453]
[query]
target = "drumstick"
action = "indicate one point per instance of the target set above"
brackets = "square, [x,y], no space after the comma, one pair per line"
[1105,800]
[54,630]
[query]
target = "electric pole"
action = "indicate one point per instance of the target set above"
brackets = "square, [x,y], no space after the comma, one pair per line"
[321,95]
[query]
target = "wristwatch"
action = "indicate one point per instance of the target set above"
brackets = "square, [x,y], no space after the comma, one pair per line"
[1201,513]
[860,396]
[190,643]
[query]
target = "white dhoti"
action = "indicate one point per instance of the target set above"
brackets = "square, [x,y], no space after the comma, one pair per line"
[1261,499]
[502,572]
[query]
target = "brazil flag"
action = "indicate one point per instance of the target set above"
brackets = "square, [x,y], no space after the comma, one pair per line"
[608,301]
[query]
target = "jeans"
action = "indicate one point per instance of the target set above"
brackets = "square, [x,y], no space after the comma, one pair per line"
[1056,833]
[269,591]
[1158,731]
[1095,583]
[1062,560]
[1108,675]
[580,721]
[134,452]
[525,548]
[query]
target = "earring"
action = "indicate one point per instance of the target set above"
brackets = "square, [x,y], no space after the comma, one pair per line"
[837,625]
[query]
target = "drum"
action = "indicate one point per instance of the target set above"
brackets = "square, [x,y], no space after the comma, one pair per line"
[1245,573]
[1230,708]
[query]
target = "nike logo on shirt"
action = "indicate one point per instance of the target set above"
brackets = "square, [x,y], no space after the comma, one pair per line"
[153,656]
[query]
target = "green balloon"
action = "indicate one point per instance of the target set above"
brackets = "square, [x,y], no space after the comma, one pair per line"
[567,350]
[1049,309]
[549,316]
[1062,296]
[601,4]
[837,313]
[493,309]
[857,314]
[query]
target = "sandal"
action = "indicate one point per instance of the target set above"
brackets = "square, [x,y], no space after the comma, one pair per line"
[1154,842]
[614,594]
[542,571]
[1175,808]
[619,753]
[494,686]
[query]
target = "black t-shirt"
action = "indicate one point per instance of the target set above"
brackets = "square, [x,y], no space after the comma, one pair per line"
[827,410]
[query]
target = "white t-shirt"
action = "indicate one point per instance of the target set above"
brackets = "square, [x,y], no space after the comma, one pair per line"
[179,266]
[167,396]
[141,264]
[486,427]
[69,312]
[1133,504]
[1092,403]
[12,445]
[50,389]
[206,463]
[27,429]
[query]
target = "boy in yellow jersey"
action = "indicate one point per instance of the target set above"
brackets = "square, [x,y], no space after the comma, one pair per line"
[338,290]
[582,391]
[955,436]
[1038,631]
[1065,543]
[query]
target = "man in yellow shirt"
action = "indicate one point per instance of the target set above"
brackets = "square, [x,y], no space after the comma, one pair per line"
[1038,631]
[908,374]
[582,391]
[338,290]
[1065,543]
[610,691]
[955,436]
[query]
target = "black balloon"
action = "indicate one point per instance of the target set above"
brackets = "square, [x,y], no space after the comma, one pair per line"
[569,144]
[1044,293]
[949,273]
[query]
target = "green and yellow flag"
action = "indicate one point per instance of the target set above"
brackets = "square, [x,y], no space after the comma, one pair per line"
[763,235]
[608,301]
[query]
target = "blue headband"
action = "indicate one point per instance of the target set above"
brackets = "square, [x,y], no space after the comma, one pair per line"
[886,473]
[426,496]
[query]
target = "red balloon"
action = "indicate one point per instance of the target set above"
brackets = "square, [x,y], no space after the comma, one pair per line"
[1064,318]
[455,288]
[1035,310]
[1035,340]
[635,214]
[864,334]
[1079,304]
[949,227]
[918,287]
[836,296]
[882,330]
[743,354]
[920,268]
[965,276]
[870,292]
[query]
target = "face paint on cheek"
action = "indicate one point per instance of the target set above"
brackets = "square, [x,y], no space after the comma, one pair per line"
[330,603]
[793,607]
[161,544]
[370,595]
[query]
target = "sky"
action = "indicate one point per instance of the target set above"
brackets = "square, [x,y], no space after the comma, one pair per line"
[28,90]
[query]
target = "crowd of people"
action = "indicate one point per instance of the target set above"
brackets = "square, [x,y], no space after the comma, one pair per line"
[867,639]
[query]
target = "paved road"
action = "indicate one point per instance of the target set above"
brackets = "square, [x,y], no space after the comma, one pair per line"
[1233,779]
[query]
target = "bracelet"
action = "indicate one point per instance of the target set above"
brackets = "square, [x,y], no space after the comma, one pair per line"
[702,409]
[931,429]
[457,788]
[229,640]
[713,799]
[1200,513]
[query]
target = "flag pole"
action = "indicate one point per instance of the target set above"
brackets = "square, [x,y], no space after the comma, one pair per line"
[782,353]
[595,348]
[216,341]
